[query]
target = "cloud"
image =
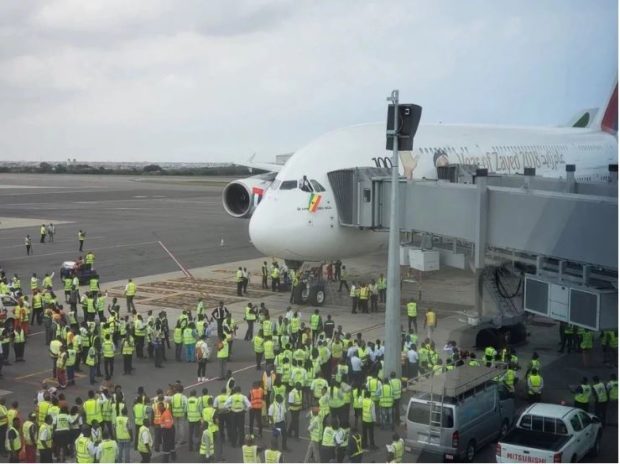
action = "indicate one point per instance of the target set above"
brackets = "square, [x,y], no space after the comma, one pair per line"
[199,80]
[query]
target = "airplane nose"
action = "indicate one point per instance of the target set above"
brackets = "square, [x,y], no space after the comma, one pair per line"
[261,231]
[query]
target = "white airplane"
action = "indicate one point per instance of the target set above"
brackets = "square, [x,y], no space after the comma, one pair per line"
[293,209]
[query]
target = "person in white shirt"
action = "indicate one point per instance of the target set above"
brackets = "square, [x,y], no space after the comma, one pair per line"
[412,362]
[356,370]
[277,415]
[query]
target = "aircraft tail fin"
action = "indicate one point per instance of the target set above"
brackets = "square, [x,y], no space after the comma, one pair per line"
[607,119]
[583,119]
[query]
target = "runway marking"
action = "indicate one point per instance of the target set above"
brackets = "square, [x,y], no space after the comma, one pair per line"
[94,249]
[183,269]
[21,245]
[33,374]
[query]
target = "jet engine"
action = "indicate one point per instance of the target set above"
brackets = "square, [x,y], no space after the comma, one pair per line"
[241,197]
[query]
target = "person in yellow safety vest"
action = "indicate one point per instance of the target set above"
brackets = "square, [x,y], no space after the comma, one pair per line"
[386,405]
[412,315]
[145,441]
[583,393]
[249,450]
[44,440]
[586,345]
[373,385]
[489,355]
[85,449]
[397,447]
[259,348]
[189,342]
[609,343]
[210,422]
[194,414]
[612,395]
[207,445]
[510,378]
[315,429]
[369,418]
[316,324]
[430,322]
[535,386]
[47,283]
[275,278]
[93,284]
[178,404]
[272,454]
[89,260]
[295,288]
[107,450]
[600,399]
[363,297]
[222,356]
[13,440]
[92,409]
[81,238]
[109,350]
[29,432]
[239,281]
[534,363]
[130,294]
[472,360]
[328,442]
[250,317]
[123,434]
[397,389]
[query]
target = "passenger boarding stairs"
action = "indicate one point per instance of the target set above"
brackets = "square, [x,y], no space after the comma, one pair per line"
[507,308]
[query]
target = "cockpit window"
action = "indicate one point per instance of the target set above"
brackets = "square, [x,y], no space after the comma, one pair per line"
[317,187]
[304,185]
[288,185]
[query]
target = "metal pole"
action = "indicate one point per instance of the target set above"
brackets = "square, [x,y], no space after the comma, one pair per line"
[392,304]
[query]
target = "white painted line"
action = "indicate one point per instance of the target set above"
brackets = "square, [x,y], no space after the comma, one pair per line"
[21,245]
[183,269]
[94,249]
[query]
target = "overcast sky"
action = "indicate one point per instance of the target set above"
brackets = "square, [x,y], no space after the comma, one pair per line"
[197,80]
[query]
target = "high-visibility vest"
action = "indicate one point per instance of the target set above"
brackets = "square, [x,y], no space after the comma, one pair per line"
[91,357]
[237,402]
[398,448]
[92,410]
[295,324]
[586,340]
[431,319]
[108,349]
[612,390]
[15,444]
[357,439]
[397,387]
[316,434]
[47,444]
[121,427]
[258,344]
[139,410]
[193,409]
[584,395]
[131,289]
[81,449]
[178,335]
[203,447]
[535,382]
[275,273]
[250,453]
[93,284]
[412,309]
[249,314]
[267,328]
[256,398]
[297,400]
[314,321]
[108,449]
[364,293]
[353,291]
[63,422]
[34,283]
[272,456]
[329,435]
[269,349]
[178,405]
[601,392]
[386,400]
[188,336]
[139,328]
[141,443]
[509,380]
[239,275]
[26,431]
[207,416]
[43,407]
[128,346]
[223,351]
[489,353]
[367,405]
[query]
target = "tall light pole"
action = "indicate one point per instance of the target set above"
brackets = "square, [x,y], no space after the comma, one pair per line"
[392,360]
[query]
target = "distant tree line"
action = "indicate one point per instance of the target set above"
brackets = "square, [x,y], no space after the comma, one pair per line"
[148,170]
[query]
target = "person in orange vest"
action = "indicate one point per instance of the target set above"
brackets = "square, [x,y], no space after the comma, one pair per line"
[167,433]
[256,407]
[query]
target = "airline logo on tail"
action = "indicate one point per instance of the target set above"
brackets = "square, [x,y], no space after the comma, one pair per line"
[610,118]
[313,204]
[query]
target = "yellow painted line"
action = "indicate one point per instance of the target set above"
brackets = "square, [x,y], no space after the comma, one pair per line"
[32,375]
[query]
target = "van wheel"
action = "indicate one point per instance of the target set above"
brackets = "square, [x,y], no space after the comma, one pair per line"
[470,451]
[574,458]
[317,297]
[503,430]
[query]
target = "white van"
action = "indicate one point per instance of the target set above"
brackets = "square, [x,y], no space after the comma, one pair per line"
[456,413]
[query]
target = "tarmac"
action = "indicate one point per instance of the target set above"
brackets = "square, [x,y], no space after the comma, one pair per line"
[131,222]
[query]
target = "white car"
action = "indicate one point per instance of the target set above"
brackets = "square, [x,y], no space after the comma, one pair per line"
[551,433]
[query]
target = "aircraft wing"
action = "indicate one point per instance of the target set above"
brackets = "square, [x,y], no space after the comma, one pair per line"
[271,167]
